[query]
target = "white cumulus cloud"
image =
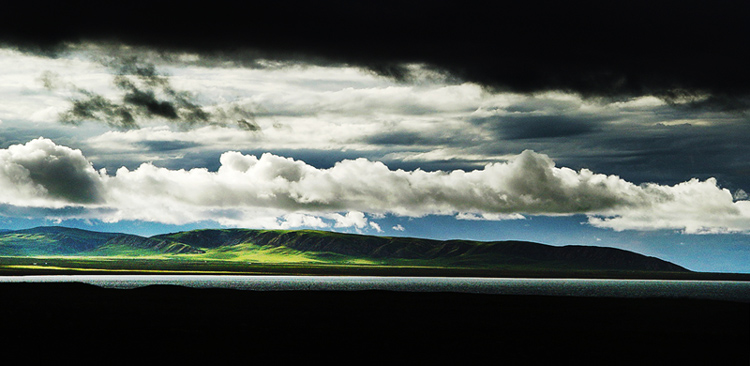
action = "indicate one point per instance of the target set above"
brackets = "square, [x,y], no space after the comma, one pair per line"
[275,191]
[41,173]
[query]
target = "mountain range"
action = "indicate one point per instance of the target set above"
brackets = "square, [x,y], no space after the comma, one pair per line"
[322,247]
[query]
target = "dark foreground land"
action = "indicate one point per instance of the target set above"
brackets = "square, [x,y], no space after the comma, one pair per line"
[173,324]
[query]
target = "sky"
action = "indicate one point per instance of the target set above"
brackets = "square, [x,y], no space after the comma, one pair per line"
[621,125]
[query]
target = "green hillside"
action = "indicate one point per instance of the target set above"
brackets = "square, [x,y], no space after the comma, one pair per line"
[323,245]
[51,240]
[236,249]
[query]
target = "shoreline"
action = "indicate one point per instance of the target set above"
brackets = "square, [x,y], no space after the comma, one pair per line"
[381,271]
[736,291]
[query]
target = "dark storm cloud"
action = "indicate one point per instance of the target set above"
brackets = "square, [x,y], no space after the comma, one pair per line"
[515,127]
[649,153]
[153,145]
[408,138]
[242,115]
[715,102]
[173,105]
[51,212]
[248,125]
[603,49]
[145,94]
[672,154]
[92,106]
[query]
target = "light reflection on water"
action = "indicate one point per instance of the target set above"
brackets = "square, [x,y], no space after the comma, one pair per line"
[718,290]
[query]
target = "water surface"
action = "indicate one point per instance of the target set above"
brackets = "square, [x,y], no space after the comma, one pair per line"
[716,290]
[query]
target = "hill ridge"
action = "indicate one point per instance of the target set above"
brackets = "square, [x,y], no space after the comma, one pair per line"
[317,246]
[515,252]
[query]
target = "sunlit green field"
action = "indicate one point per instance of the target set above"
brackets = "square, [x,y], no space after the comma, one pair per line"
[265,265]
[220,262]
[238,258]
[59,250]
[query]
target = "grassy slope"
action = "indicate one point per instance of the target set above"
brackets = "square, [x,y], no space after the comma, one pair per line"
[51,241]
[333,248]
[294,252]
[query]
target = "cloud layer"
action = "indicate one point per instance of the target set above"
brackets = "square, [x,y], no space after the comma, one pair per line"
[145,94]
[291,109]
[274,191]
[677,50]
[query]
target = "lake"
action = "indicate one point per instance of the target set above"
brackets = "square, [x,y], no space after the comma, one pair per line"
[617,288]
